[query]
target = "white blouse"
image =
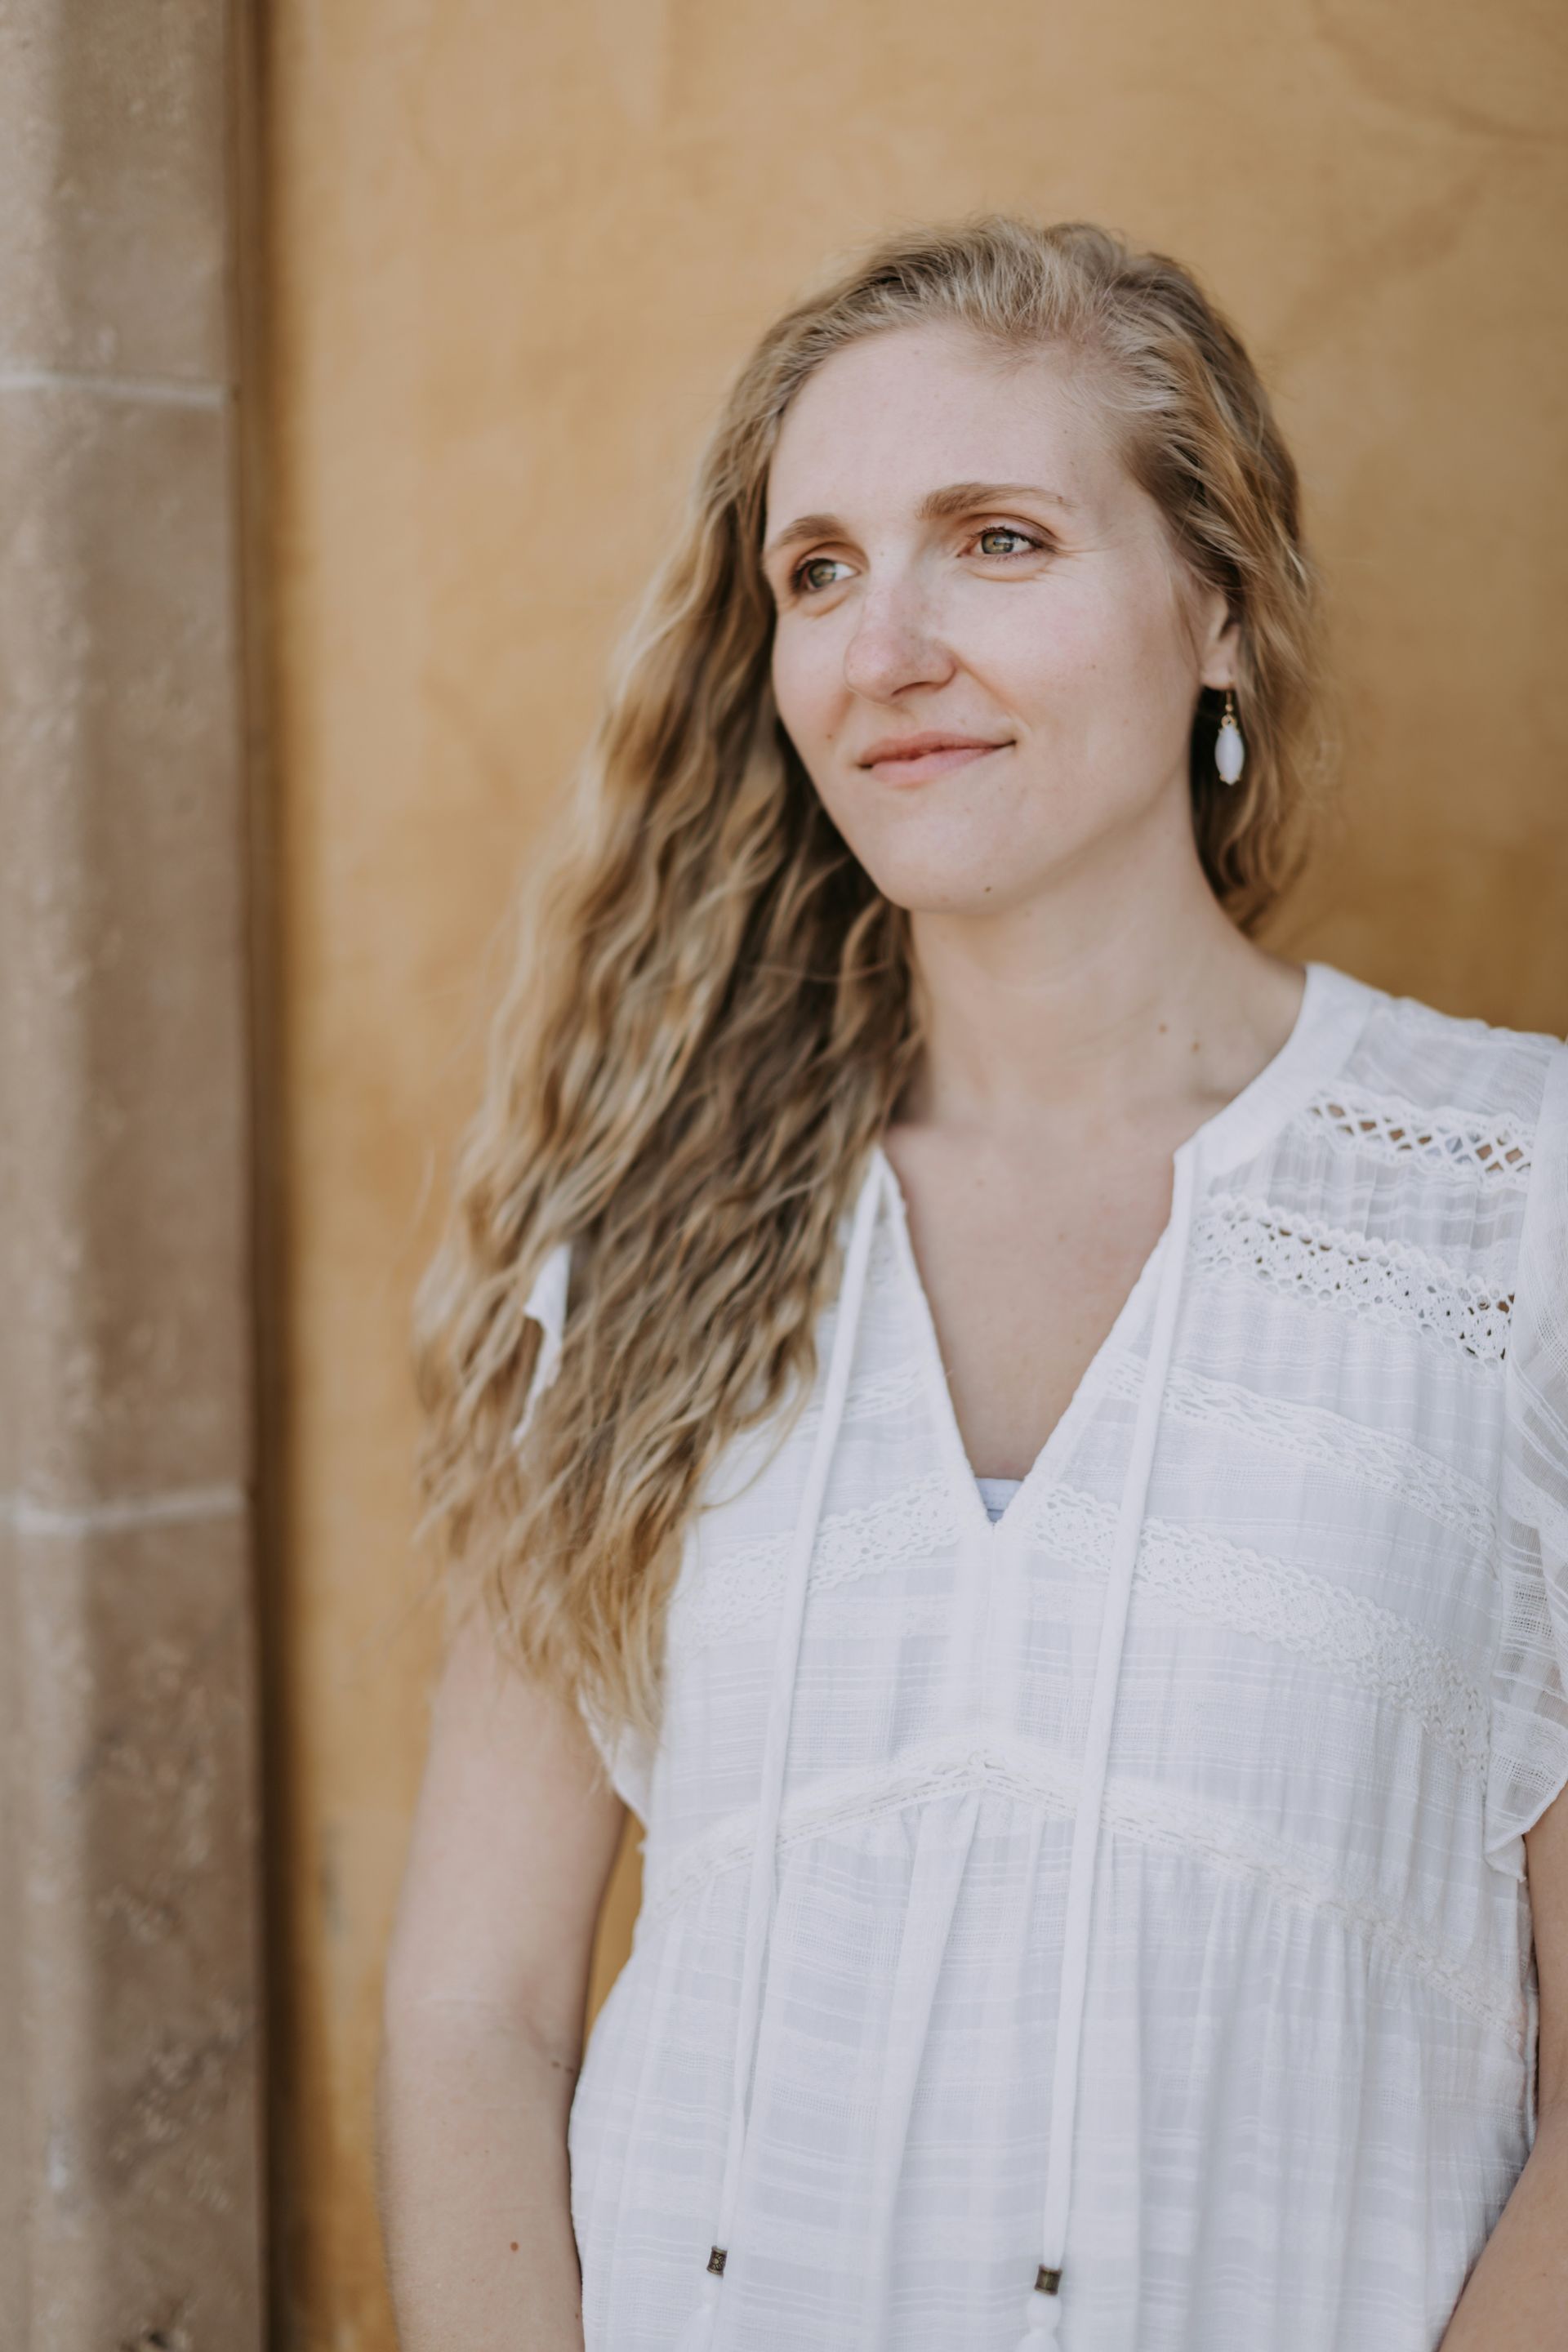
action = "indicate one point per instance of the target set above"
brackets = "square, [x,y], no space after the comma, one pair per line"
[1108,1924]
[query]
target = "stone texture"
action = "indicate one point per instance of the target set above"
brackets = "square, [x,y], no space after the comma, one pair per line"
[113,141]
[131,2073]
[15,1781]
[139,1935]
[122,901]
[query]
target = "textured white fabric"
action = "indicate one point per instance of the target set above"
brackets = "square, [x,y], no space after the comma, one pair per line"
[1304,2057]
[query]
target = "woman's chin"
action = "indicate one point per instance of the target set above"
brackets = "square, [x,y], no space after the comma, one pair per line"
[985,886]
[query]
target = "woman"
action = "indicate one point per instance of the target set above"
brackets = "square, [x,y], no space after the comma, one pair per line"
[1027,1431]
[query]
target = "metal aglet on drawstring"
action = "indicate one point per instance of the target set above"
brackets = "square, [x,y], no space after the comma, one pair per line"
[1044,2322]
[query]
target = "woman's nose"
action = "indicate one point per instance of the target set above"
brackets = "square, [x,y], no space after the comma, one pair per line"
[894,645]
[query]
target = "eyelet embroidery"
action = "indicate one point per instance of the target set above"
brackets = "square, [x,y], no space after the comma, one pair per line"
[1448,1141]
[1328,1266]
[1373,1459]
[1276,1600]
[745,1583]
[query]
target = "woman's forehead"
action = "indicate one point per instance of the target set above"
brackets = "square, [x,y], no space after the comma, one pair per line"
[896,417]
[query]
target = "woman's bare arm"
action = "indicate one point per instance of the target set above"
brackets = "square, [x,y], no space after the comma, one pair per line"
[1516,2299]
[482,2023]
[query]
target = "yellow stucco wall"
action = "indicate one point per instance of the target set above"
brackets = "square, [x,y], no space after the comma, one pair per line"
[515,250]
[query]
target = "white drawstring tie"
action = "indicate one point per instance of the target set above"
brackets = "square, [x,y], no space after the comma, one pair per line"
[1043,2324]
[697,2335]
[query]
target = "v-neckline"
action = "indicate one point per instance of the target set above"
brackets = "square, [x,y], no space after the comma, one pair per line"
[972,1513]
[1332,1012]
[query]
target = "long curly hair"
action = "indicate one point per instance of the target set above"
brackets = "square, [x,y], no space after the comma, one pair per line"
[711,1017]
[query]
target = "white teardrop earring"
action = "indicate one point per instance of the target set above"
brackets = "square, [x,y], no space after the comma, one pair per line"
[1229,750]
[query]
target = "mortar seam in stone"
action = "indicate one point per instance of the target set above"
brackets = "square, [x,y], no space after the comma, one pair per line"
[34,1519]
[167,391]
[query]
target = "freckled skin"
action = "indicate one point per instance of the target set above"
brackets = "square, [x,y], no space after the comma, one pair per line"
[1074,634]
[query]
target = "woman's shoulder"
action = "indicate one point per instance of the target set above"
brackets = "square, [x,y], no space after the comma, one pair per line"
[1455,1086]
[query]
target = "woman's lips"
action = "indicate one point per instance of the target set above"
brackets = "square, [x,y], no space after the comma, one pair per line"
[914,770]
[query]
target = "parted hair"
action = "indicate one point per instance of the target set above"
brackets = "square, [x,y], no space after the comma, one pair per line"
[711,1016]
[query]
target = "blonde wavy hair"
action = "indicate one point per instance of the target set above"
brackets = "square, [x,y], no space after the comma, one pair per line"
[712,1017]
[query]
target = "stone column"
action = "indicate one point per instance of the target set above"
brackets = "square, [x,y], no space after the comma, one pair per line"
[129,2081]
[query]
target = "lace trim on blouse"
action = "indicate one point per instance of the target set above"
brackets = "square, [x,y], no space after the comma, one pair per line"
[1276,1600]
[1328,1266]
[1270,1598]
[1449,1142]
[1373,1459]
[1138,1809]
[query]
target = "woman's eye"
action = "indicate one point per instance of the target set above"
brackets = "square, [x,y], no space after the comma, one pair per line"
[1024,544]
[802,579]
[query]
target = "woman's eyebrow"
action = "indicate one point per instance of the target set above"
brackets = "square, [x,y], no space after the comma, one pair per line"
[958,497]
[937,506]
[807,525]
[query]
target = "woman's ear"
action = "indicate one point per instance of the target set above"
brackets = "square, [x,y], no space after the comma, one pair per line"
[1213,627]
[1220,642]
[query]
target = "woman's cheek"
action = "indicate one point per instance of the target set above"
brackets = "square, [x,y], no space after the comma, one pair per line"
[808,688]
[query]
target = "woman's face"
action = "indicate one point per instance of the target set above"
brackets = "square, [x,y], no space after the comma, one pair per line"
[986,652]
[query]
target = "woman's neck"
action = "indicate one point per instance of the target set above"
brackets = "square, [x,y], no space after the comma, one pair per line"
[1116,1015]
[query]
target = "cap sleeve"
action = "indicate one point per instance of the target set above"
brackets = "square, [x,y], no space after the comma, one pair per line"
[622,1755]
[1528,1759]
[546,1306]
